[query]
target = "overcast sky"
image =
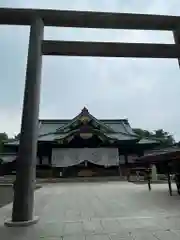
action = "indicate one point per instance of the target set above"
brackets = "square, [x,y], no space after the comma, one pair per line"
[147,92]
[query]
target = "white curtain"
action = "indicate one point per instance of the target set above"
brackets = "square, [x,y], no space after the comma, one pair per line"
[132,158]
[104,156]
[65,157]
[121,159]
[45,160]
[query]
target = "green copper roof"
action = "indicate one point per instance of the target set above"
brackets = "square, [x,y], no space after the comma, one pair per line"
[148,141]
[108,125]
[115,129]
[84,114]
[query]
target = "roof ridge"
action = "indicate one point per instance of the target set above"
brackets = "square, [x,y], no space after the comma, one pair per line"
[69,119]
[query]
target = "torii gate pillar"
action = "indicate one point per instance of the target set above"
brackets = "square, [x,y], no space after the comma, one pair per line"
[23,204]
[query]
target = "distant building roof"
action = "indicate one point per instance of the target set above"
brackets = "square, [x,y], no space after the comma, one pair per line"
[8,157]
[148,141]
[12,142]
[160,154]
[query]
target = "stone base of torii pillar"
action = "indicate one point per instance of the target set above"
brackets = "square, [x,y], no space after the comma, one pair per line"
[10,223]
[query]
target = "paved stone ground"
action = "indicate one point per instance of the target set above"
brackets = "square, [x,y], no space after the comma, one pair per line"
[6,195]
[102,211]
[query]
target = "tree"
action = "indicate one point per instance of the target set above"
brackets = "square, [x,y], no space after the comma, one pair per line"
[142,133]
[165,138]
[3,137]
[17,137]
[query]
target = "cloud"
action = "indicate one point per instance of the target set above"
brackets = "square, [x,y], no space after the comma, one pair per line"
[146,91]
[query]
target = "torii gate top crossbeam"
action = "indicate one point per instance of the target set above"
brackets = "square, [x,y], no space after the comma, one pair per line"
[82,19]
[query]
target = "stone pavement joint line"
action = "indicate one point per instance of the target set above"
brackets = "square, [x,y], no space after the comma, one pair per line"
[107,211]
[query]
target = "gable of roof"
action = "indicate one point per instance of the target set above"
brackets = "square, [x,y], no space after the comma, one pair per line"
[84,114]
[52,126]
[48,126]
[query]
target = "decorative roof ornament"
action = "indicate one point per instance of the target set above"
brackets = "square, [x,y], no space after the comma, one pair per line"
[85,111]
[84,116]
[84,119]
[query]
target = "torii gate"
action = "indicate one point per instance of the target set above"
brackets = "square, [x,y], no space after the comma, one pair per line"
[23,204]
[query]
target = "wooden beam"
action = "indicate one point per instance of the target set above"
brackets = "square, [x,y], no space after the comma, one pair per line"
[110,49]
[176,34]
[88,19]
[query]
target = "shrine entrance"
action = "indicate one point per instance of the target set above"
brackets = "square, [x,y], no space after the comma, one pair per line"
[37,19]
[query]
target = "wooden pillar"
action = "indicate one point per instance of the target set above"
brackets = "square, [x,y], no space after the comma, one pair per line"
[149,178]
[119,166]
[49,159]
[127,168]
[50,156]
[23,204]
[40,160]
[169,179]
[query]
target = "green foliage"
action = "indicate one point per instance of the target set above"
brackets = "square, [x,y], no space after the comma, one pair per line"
[165,138]
[142,133]
[17,137]
[3,137]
